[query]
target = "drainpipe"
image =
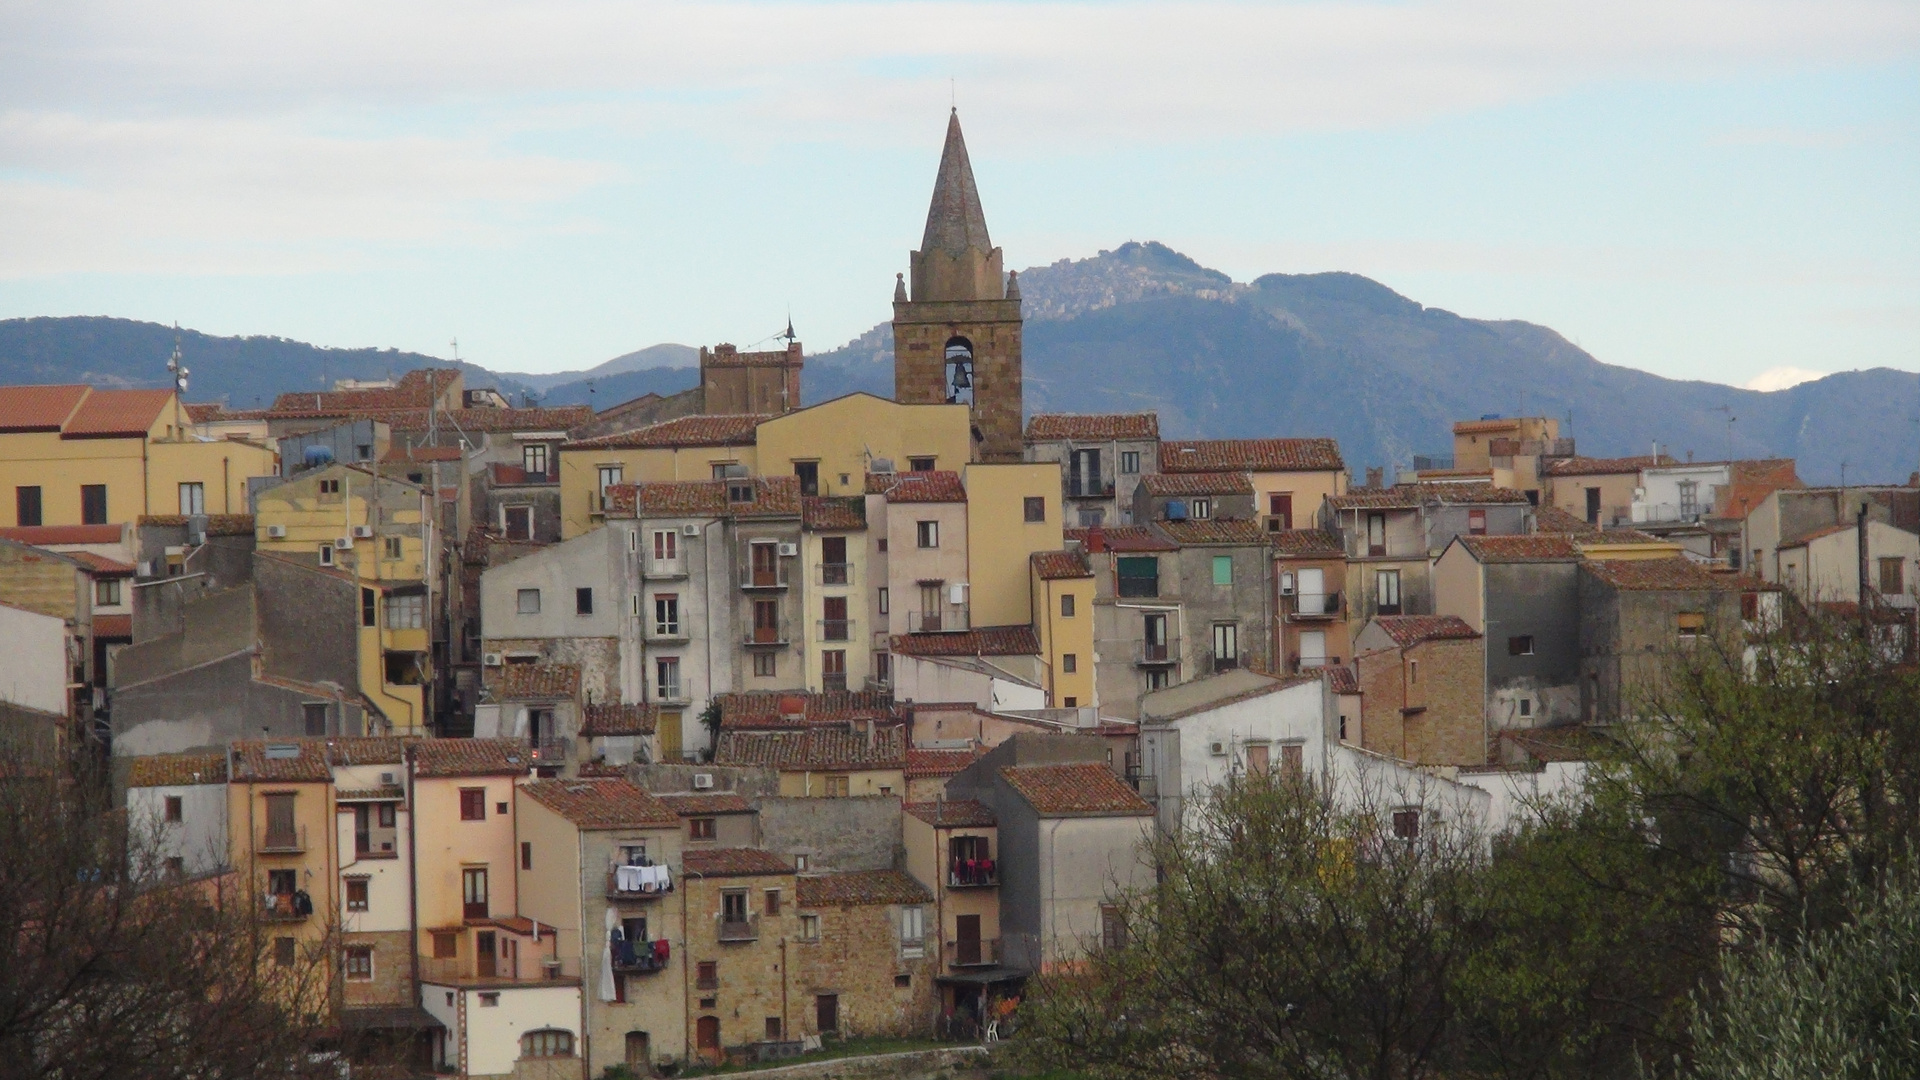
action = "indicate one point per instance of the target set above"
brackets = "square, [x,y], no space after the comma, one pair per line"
[413,880]
[686,966]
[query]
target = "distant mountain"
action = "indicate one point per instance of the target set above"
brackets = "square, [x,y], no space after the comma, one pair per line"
[601,392]
[647,359]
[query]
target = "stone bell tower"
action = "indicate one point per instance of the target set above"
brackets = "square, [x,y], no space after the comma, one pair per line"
[956,335]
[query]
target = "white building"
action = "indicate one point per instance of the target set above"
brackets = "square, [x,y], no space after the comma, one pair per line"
[1824,566]
[179,802]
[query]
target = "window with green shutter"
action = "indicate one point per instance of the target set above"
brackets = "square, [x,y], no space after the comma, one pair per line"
[1223,569]
[1139,575]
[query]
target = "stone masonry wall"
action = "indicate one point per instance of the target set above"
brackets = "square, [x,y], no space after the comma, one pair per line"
[392,982]
[858,958]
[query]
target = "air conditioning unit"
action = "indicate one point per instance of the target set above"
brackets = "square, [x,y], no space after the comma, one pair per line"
[1286,584]
[363,532]
[702,781]
[276,532]
[789,550]
[1217,749]
[344,543]
[689,530]
[386,779]
[491,659]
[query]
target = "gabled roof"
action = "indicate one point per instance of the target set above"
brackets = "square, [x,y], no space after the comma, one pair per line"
[1060,565]
[814,749]
[111,414]
[1211,692]
[980,641]
[1818,534]
[555,418]
[440,758]
[1678,574]
[702,804]
[1409,630]
[1552,519]
[1589,466]
[959,814]
[1307,543]
[217,524]
[38,408]
[769,709]
[918,487]
[1251,455]
[281,761]
[536,682]
[733,862]
[1197,483]
[819,513]
[736,430]
[602,804]
[926,763]
[367,749]
[417,389]
[100,565]
[620,719]
[177,770]
[1084,789]
[1752,482]
[1410,496]
[1542,547]
[1342,680]
[861,887]
[1236,531]
[1091,427]
[1122,538]
[773,496]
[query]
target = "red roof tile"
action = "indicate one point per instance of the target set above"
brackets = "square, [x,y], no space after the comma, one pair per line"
[925,763]
[861,887]
[912,487]
[1307,543]
[536,682]
[773,496]
[1542,547]
[100,565]
[1587,466]
[113,626]
[602,804]
[980,641]
[43,535]
[217,524]
[813,749]
[682,431]
[1058,565]
[559,418]
[1197,483]
[471,757]
[400,453]
[1121,538]
[1498,423]
[368,750]
[1752,482]
[38,408]
[1408,496]
[1818,534]
[797,708]
[700,804]
[109,414]
[833,514]
[281,761]
[733,862]
[1215,531]
[1251,455]
[417,389]
[1093,427]
[1406,630]
[177,770]
[620,719]
[1552,519]
[1085,789]
[1678,574]
[959,814]
[1342,680]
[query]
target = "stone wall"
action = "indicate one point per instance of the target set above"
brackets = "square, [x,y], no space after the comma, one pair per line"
[392,982]
[860,833]
[858,959]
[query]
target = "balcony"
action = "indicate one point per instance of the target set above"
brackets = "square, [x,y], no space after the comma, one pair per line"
[615,892]
[1089,488]
[836,629]
[833,573]
[972,874]
[834,682]
[282,908]
[747,929]
[673,633]
[483,970]
[762,578]
[1222,662]
[637,958]
[548,751]
[1146,785]
[765,637]
[665,568]
[947,620]
[1157,653]
[973,952]
[282,842]
[670,694]
[1315,606]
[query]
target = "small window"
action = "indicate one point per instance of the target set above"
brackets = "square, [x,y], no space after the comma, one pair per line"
[913,925]
[1406,825]
[1066,606]
[528,601]
[1691,624]
[920,464]
[175,808]
[1036,508]
[326,555]
[176,866]
[880,597]
[106,592]
[473,804]
[368,607]
[357,894]
[583,601]
[283,951]
[902,982]
[533,459]
[766,665]
[773,902]
[740,491]
[1477,522]
[1113,927]
[363,452]
[329,487]
[839,786]
[1413,672]
[928,533]
[776,1030]
[407,611]
[545,1044]
[1069,663]
[708,975]
[701,828]
[1526,706]
[500,808]
[1200,509]
[1223,569]
[526,855]
[808,473]
[1129,461]
[1291,760]
[446,944]
[393,546]
[26,504]
[490,999]
[1521,645]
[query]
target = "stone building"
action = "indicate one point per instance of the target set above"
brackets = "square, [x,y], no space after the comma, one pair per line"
[1101,458]
[864,954]
[740,915]
[1523,593]
[953,848]
[1637,616]
[763,383]
[1423,689]
[1393,534]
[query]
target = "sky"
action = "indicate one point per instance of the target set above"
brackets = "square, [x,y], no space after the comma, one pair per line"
[1705,189]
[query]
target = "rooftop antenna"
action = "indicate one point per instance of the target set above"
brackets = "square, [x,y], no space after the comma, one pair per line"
[178,370]
[788,334]
[1728,409]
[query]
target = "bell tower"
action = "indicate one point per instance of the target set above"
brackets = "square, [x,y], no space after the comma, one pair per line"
[956,334]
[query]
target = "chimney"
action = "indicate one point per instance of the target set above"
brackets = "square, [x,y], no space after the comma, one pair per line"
[1375,476]
[1096,540]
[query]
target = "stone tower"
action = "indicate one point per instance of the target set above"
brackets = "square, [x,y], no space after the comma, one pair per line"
[956,336]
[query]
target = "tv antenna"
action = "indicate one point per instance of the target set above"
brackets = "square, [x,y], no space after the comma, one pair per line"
[455,343]
[787,335]
[1728,409]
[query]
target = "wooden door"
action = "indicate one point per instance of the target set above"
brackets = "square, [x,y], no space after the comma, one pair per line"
[826,1013]
[766,565]
[473,893]
[706,1033]
[639,1054]
[487,961]
[966,939]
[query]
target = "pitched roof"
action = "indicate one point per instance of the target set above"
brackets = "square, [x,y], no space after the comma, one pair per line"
[471,757]
[980,641]
[100,565]
[798,708]
[1406,630]
[1058,565]
[1075,427]
[1122,538]
[1589,466]
[1552,519]
[536,682]
[417,389]
[38,408]
[367,749]
[43,535]
[1498,423]
[1409,496]
[1083,789]
[918,487]
[1751,483]
[861,887]
[959,814]
[1678,574]
[1210,692]
[602,804]
[1342,680]
[1215,531]
[701,804]
[620,719]
[1252,455]
[1818,534]
[814,748]
[113,626]
[1307,543]
[507,474]
[217,524]
[736,430]
[821,513]
[773,496]
[177,770]
[924,763]
[732,862]
[1541,547]
[955,221]
[1571,743]
[291,761]
[1197,483]
[107,414]
[400,453]
[544,418]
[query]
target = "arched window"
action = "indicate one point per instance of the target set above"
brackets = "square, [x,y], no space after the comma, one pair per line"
[959,371]
[547,1043]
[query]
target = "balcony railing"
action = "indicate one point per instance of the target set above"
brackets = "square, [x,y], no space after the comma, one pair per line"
[973,952]
[1157,653]
[834,682]
[764,578]
[765,637]
[836,629]
[1316,605]
[548,751]
[637,958]
[833,573]
[747,929]
[283,842]
[615,892]
[944,621]
[666,568]
[1146,785]
[1222,662]
[972,873]
[458,970]
[664,693]
[1093,488]
[674,632]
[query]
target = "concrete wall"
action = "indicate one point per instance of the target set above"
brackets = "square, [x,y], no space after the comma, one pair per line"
[1246,603]
[1179,754]
[35,676]
[307,624]
[1541,600]
[1116,509]
[666,779]
[590,561]
[846,435]
[1083,863]
[198,839]
[1000,539]
[206,707]
[857,833]
[908,564]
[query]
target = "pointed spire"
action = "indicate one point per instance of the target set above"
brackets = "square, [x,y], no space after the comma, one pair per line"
[955,221]
[899,288]
[1013,284]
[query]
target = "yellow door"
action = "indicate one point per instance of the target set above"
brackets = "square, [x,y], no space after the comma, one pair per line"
[669,733]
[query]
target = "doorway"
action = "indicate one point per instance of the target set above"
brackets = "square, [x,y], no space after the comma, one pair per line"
[966,939]
[639,1052]
[486,956]
[706,1033]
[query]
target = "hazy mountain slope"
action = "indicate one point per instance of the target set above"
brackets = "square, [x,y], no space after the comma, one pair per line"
[653,356]
[601,392]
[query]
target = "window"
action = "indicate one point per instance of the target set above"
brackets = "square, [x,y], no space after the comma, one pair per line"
[666,545]
[329,487]
[834,624]
[839,786]
[666,678]
[367,608]
[1280,509]
[313,715]
[1067,702]
[1258,759]
[528,601]
[106,591]
[1376,535]
[175,808]
[473,804]
[326,556]
[740,491]
[1156,678]
[701,828]
[193,499]
[1413,672]
[1069,663]
[733,906]
[1892,580]
[546,1044]
[1477,522]
[1593,506]
[176,866]
[1223,569]
[880,599]
[809,474]
[26,505]
[533,459]
[406,611]
[920,464]
[833,669]
[883,668]
[473,892]
[1526,706]
[1066,606]
[609,476]
[766,621]
[1036,508]
[1689,499]
[1226,646]
[1129,461]
[1200,509]
[810,928]
[490,999]
[1113,928]
[773,902]
[1290,760]
[583,601]
[1406,826]
[1386,591]
[775,1029]
[446,944]
[1313,648]
[1139,575]
[394,548]
[281,832]
[666,614]
[1521,645]
[707,976]
[363,451]
[283,951]
[928,533]
[93,504]
[913,926]
[833,560]
[282,882]
[1691,624]
[357,894]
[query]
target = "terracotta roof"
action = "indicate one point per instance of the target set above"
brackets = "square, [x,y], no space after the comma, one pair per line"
[38,408]
[1056,565]
[701,804]
[100,565]
[471,757]
[1406,630]
[1572,743]
[798,708]
[913,487]
[833,513]
[178,770]
[385,793]
[217,524]
[368,750]
[1342,680]
[773,496]
[1542,547]
[1552,519]
[861,887]
[959,814]
[1252,455]
[1085,789]
[109,414]
[1197,483]
[813,749]
[735,430]
[1215,531]
[1678,574]
[1093,426]
[43,535]
[400,453]
[202,412]
[1498,423]
[924,763]
[602,769]
[1408,496]
[620,719]
[1622,536]
[1803,541]
[506,474]
[417,389]
[1307,543]
[602,804]
[1587,466]
[980,641]
[113,626]
[307,763]
[536,682]
[1752,482]
[733,862]
[557,418]
[1123,538]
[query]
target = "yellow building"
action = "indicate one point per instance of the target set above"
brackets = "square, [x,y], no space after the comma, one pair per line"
[1598,491]
[953,848]
[1291,477]
[74,455]
[838,654]
[689,448]
[1508,449]
[280,833]
[464,860]
[1013,511]
[1063,590]
[833,445]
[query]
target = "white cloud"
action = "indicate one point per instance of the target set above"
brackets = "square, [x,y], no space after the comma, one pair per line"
[1780,378]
